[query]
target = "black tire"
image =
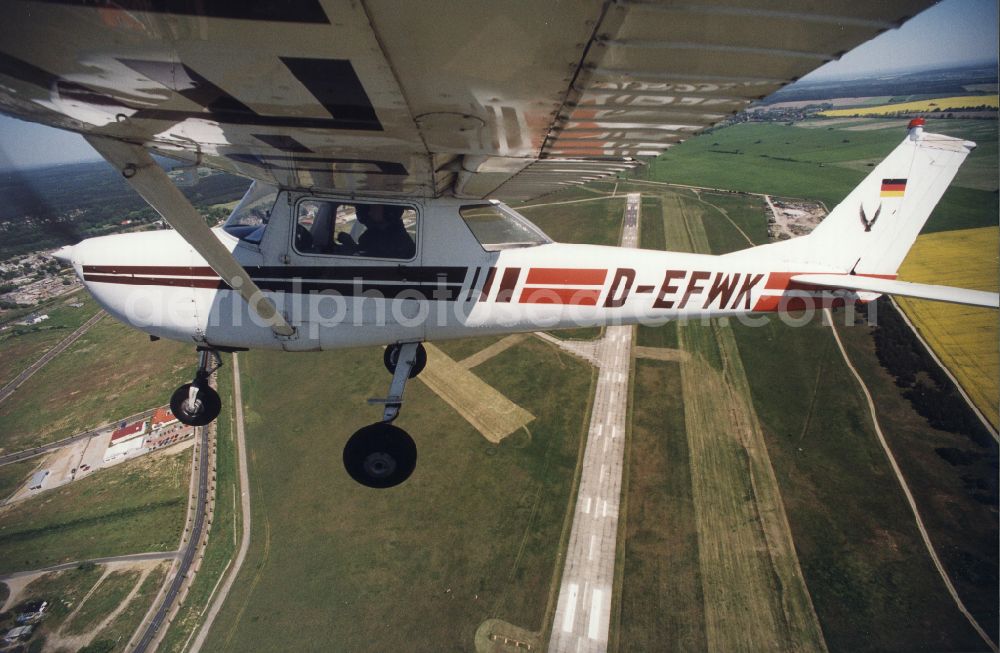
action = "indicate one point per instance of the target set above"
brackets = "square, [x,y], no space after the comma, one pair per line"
[391,357]
[380,455]
[208,408]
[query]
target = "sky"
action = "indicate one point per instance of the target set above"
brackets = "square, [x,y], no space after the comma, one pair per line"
[951,32]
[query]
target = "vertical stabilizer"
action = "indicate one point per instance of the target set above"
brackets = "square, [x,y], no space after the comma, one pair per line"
[873,228]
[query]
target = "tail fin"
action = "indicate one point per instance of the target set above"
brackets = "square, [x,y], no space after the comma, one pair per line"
[871,231]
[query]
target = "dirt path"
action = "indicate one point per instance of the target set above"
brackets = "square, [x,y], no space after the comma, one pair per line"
[496,348]
[663,354]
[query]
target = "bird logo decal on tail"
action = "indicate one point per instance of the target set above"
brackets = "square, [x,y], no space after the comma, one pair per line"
[864,219]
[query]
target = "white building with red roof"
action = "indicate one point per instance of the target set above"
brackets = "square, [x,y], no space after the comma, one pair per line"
[161,417]
[124,439]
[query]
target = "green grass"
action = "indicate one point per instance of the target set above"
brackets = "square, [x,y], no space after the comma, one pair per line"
[963,529]
[581,333]
[226,528]
[818,164]
[111,372]
[872,583]
[117,634]
[595,223]
[474,534]
[14,474]
[661,602]
[132,507]
[105,599]
[20,346]
[463,348]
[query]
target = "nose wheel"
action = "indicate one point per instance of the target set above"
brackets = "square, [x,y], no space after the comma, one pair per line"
[197,403]
[382,455]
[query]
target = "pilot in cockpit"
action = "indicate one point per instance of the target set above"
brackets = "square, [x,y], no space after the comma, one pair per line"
[384,235]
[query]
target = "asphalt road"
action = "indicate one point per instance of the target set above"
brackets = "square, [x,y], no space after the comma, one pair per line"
[9,389]
[189,551]
[583,612]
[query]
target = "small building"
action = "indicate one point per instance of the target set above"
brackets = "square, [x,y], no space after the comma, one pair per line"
[124,439]
[37,479]
[20,632]
[161,417]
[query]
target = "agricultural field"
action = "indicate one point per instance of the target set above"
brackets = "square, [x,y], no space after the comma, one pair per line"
[964,337]
[474,534]
[935,104]
[111,372]
[826,162]
[133,507]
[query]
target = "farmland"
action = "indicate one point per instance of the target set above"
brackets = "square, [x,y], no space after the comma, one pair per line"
[936,104]
[963,337]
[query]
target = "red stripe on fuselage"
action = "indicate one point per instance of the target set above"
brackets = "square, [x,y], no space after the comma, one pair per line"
[570,296]
[567,276]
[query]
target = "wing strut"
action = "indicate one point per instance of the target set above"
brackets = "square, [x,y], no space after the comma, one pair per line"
[153,184]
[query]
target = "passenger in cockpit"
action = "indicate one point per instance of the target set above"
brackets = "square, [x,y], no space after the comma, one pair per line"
[384,236]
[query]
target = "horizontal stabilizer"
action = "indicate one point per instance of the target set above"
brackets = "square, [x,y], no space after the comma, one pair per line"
[904,288]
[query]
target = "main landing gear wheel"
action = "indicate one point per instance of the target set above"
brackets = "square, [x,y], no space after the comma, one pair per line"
[205,408]
[391,358]
[380,455]
[197,403]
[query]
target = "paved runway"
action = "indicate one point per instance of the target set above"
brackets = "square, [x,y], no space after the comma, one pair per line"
[584,609]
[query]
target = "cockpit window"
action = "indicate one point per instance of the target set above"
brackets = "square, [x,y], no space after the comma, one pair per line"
[356,229]
[497,226]
[249,219]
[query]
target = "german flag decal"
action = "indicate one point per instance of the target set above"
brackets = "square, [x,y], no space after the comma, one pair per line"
[573,286]
[893,187]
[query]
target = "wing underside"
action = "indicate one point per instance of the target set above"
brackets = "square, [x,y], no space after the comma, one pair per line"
[502,99]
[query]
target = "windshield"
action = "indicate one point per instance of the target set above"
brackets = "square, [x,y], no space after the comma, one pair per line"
[249,219]
[497,226]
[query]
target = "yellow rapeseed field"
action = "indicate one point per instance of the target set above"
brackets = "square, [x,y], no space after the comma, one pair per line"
[944,104]
[964,337]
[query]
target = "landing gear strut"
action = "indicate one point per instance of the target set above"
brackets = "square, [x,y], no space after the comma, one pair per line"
[197,403]
[381,455]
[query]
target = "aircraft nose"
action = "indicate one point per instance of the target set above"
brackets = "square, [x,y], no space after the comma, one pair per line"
[64,254]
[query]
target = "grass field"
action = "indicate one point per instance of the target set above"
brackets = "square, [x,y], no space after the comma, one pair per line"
[12,475]
[116,635]
[957,501]
[826,163]
[133,507]
[474,534]
[21,346]
[105,599]
[964,337]
[936,104]
[111,372]
[660,582]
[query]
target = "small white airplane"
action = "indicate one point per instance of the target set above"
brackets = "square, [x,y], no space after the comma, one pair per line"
[375,132]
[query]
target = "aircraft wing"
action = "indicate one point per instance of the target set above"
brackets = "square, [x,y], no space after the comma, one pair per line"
[904,288]
[502,99]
